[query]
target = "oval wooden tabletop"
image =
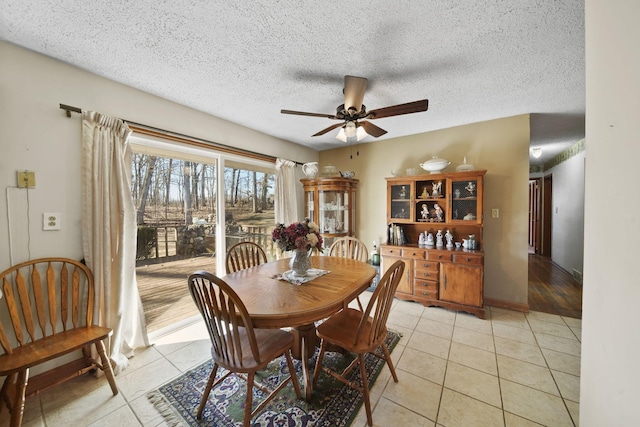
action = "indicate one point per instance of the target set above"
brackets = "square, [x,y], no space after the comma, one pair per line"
[275,303]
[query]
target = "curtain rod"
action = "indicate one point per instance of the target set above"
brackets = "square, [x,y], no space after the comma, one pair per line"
[150,130]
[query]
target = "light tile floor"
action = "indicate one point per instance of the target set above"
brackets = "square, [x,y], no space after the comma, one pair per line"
[511,369]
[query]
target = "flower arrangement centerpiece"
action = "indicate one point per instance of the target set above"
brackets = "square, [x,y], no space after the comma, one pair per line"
[303,236]
[300,237]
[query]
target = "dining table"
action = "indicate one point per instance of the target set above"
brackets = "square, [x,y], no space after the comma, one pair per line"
[274,302]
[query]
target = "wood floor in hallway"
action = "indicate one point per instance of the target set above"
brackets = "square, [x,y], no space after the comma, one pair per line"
[552,289]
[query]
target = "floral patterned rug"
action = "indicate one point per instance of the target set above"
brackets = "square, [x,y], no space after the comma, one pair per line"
[332,403]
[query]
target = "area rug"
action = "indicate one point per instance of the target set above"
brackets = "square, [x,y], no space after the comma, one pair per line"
[332,403]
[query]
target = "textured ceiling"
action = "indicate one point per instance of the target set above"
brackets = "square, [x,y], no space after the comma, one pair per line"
[244,61]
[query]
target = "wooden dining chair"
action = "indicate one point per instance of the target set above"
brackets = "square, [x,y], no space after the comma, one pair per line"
[237,346]
[361,332]
[244,255]
[50,304]
[350,247]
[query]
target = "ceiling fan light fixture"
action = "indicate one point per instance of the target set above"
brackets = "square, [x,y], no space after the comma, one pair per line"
[536,152]
[351,133]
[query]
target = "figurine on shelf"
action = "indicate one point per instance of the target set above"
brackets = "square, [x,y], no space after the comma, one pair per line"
[471,187]
[429,241]
[439,242]
[424,194]
[439,212]
[425,211]
[448,236]
[437,186]
[403,192]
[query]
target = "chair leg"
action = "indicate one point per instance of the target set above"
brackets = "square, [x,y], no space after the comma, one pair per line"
[318,367]
[387,357]
[365,388]
[207,390]
[106,366]
[19,398]
[292,372]
[249,400]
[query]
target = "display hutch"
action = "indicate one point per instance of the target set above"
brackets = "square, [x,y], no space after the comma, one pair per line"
[450,277]
[331,203]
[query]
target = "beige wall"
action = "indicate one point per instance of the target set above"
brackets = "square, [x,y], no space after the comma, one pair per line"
[499,146]
[609,392]
[36,135]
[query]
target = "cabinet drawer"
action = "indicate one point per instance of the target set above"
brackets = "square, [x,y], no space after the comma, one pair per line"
[413,253]
[426,288]
[426,265]
[390,251]
[426,275]
[438,256]
[468,259]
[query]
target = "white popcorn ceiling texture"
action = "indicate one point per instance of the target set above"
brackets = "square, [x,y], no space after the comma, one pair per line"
[475,60]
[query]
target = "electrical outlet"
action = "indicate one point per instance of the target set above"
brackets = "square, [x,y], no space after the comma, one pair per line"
[26,179]
[51,221]
[495,213]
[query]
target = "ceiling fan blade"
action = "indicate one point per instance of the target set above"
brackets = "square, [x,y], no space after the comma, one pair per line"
[372,129]
[397,110]
[302,113]
[354,88]
[329,129]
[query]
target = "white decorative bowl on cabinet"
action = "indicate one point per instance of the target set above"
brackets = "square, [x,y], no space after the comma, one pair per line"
[435,165]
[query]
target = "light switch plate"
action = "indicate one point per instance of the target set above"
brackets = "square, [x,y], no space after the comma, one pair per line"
[495,213]
[51,221]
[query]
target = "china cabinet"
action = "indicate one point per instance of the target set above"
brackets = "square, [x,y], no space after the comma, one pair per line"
[331,203]
[449,276]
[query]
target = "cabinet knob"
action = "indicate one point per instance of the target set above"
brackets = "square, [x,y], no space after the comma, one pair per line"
[468,259]
[426,274]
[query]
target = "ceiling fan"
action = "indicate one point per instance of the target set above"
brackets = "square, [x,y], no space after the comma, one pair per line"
[353,113]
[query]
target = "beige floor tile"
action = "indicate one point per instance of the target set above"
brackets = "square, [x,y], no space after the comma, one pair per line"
[123,417]
[145,411]
[512,420]
[572,322]
[143,356]
[435,327]
[519,350]
[509,318]
[414,393]
[405,333]
[473,339]
[423,365]
[556,329]
[430,344]
[470,321]
[85,399]
[473,357]
[440,314]
[37,422]
[401,319]
[577,332]
[545,317]
[534,405]
[473,383]
[562,362]
[538,377]
[458,410]
[564,345]
[409,307]
[574,411]
[513,333]
[569,385]
[387,413]
[191,355]
[135,384]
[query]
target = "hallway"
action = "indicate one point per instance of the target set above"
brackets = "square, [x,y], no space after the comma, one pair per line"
[553,290]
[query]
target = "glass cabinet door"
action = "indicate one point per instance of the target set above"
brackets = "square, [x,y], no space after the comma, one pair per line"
[334,209]
[400,201]
[465,201]
[310,206]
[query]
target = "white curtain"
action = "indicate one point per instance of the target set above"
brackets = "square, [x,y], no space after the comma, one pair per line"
[109,233]
[285,199]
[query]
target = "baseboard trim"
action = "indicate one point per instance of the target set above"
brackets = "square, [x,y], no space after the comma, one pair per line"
[509,305]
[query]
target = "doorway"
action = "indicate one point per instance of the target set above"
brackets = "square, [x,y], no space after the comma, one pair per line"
[547,214]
